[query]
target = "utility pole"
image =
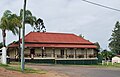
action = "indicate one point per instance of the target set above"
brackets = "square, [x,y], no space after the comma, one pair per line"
[23,38]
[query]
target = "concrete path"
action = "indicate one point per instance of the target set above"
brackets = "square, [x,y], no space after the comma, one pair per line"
[80,71]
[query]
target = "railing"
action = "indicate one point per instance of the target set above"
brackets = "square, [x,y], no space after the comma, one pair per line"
[61,56]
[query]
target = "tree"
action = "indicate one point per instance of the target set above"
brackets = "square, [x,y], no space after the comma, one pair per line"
[29,19]
[114,44]
[39,25]
[98,45]
[107,55]
[81,36]
[8,23]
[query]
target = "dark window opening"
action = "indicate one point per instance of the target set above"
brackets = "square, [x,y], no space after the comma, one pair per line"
[32,53]
[62,53]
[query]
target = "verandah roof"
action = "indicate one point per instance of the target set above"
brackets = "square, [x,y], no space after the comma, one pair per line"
[56,45]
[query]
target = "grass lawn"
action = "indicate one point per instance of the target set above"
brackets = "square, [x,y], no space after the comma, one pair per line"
[26,70]
[115,65]
[30,70]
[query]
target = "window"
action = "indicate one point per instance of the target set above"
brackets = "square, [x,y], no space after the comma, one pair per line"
[71,53]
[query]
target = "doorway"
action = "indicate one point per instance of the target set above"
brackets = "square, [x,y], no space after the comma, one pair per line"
[32,53]
[62,53]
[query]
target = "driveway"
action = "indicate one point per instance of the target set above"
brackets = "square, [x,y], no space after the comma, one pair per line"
[80,71]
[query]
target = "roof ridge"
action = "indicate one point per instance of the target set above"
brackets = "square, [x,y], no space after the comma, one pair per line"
[52,33]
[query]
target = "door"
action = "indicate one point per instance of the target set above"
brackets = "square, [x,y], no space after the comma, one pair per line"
[32,53]
[62,53]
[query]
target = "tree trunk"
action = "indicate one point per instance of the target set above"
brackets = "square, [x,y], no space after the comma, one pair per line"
[4,35]
[4,60]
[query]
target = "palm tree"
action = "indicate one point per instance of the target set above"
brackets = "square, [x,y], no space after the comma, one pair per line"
[4,24]
[29,19]
[8,22]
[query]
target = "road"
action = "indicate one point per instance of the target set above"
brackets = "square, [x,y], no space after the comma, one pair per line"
[80,71]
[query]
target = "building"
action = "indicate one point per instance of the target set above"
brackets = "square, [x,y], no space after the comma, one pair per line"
[116,59]
[60,48]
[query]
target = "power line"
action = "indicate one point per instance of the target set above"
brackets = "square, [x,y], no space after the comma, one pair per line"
[101,5]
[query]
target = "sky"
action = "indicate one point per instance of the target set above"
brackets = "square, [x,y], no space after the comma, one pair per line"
[95,23]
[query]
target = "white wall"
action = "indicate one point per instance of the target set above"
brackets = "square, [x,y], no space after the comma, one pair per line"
[116,59]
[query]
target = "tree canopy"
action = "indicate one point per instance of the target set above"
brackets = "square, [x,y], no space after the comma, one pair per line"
[80,35]
[107,55]
[9,22]
[98,45]
[39,26]
[114,44]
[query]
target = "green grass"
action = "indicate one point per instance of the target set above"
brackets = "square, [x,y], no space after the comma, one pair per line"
[26,70]
[115,65]
[3,65]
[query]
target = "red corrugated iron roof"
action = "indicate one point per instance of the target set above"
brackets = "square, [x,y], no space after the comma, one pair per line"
[56,45]
[40,37]
[55,40]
